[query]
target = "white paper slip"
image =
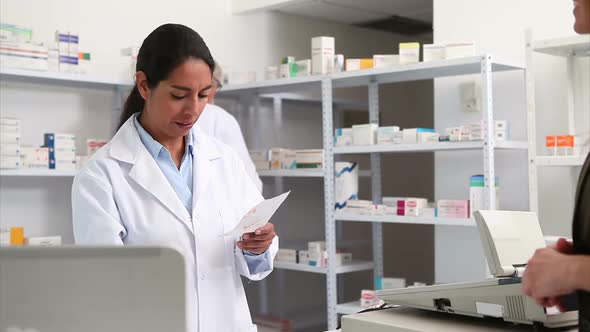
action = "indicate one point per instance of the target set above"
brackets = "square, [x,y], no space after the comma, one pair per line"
[258,215]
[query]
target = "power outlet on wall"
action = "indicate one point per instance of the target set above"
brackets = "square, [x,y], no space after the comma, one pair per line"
[470,94]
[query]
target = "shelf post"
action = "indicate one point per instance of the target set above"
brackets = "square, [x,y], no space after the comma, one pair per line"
[329,201]
[531,123]
[377,228]
[489,140]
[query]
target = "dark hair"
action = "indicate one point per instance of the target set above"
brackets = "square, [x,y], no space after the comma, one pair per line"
[162,51]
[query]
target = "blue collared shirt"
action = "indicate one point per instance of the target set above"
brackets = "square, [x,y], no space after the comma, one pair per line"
[181,181]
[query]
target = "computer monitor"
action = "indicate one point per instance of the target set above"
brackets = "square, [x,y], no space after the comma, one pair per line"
[92,289]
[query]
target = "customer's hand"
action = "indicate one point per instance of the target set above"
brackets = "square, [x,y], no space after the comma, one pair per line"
[548,274]
[565,247]
[259,241]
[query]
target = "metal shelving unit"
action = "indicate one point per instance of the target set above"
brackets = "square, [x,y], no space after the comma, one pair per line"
[120,87]
[569,49]
[391,219]
[483,65]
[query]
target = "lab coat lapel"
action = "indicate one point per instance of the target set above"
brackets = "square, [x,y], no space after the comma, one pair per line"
[126,146]
[149,176]
[203,169]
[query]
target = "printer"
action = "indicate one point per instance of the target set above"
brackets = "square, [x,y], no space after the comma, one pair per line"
[509,240]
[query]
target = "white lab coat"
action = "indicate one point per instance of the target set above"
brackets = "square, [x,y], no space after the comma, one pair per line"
[217,122]
[122,197]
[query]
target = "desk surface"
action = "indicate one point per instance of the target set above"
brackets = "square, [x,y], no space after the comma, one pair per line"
[416,320]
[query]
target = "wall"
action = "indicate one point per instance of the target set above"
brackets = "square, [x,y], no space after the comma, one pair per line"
[498,28]
[238,42]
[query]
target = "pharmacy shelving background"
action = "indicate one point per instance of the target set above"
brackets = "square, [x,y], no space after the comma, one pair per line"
[483,65]
[568,49]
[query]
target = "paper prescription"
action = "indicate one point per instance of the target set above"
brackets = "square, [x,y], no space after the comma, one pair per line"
[259,215]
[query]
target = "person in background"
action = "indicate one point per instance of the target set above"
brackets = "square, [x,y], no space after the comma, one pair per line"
[217,122]
[564,268]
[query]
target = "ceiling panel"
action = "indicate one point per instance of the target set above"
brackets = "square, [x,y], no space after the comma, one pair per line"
[326,11]
[355,11]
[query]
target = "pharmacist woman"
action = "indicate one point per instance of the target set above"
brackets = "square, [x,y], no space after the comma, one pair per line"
[565,267]
[161,181]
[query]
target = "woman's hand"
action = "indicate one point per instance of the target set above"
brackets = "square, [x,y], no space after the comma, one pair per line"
[259,241]
[550,273]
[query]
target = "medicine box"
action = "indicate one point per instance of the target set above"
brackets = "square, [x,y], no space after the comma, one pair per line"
[453,209]
[409,53]
[364,134]
[343,137]
[303,68]
[387,135]
[287,255]
[413,135]
[385,60]
[433,52]
[322,55]
[353,64]
[313,158]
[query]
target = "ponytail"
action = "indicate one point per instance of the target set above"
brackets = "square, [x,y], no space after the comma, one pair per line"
[133,104]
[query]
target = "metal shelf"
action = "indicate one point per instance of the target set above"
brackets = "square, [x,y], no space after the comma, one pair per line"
[272,86]
[38,173]
[419,71]
[298,98]
[355,266]
[405,220]
[314,173]
[406,73]
[549,161]
[349,308]
[569,46]
[428,147]
[62,79]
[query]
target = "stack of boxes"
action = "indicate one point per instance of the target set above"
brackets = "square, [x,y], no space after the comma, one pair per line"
[315,255]
[67,47]
[17,49]
[474,132]
[62,151]
[10,143]
[282,158]
[566,145]
[260,160]
[34,157]
[313,158]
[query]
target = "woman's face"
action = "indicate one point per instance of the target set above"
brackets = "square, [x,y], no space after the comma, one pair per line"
[582,14]
[175,104]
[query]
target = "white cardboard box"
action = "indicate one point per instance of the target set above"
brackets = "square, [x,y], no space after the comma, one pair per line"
[364,134]
[322,55]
